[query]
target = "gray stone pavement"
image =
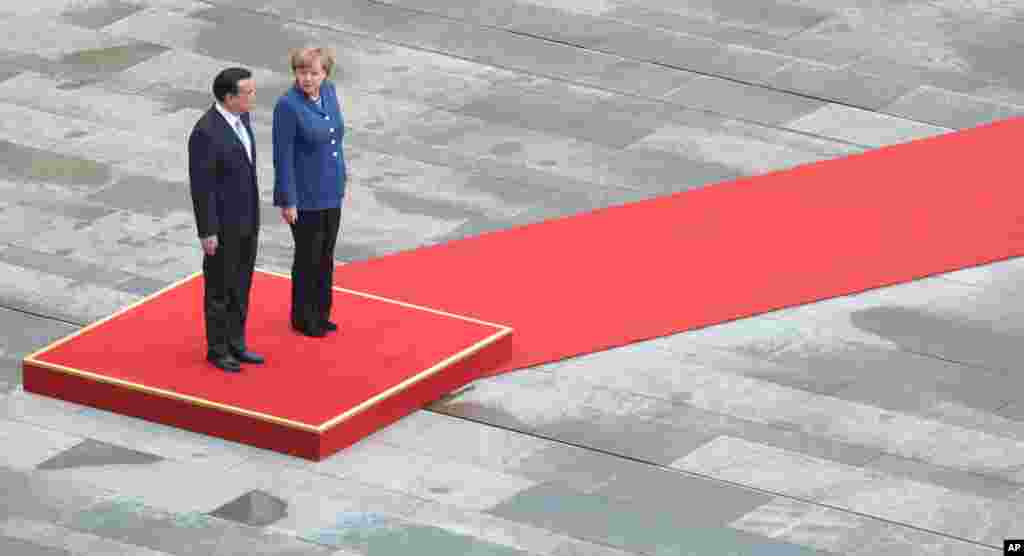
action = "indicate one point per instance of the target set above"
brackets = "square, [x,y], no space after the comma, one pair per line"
[881,423]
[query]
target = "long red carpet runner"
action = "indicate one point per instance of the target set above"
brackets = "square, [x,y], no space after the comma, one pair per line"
[599,280]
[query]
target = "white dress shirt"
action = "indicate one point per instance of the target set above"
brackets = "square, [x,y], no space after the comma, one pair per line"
[235,121]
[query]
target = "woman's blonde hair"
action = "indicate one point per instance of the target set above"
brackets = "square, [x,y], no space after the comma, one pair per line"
[303,58]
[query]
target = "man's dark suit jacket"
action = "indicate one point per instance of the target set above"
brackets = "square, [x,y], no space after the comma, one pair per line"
[225,195]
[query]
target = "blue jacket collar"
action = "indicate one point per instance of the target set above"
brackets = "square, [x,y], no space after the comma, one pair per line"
[299,95]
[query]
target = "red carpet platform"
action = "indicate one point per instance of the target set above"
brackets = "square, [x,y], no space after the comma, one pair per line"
[313,397]
[611,277]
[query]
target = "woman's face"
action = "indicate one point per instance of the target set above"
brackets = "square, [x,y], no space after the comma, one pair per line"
[310,77]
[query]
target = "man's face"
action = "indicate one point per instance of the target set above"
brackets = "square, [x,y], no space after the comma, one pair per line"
[242,102]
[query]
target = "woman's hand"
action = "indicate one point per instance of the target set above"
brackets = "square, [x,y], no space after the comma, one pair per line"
[289,214]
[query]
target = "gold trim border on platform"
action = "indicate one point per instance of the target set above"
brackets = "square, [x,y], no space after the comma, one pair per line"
[502,331]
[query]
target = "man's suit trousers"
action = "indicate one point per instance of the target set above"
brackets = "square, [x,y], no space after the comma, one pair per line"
[228,280]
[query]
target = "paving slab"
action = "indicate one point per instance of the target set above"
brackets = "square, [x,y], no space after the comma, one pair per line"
[442,435]
[941,402]
[659,18]
[44,293]
[99,15]
[952,79]
[740,101]
[164,25]
[630,526]
[555,22]
[498,47]
[988,61]
[10,375]
[374,533]
[963,516]
[25,163]
[846,533]
[424,476]
[49,37]
[157,482]
[831,357]
[25,333]
[635,77]
[437,187]
[12,545]
[949,109]
[776,17]
[663,489]
[863,127]
[364,17]
[732,146]
[67,541]
[576,118]
[32,495]
[839,85]
[100,104]
[952,479]
[35,444]
[522,536]
[969,341]
[61,266]
[130,521]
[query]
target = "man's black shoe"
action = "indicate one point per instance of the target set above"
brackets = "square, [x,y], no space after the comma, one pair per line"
[248,357]
[225,363]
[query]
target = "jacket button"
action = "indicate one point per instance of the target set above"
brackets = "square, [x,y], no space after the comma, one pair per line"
[334,154]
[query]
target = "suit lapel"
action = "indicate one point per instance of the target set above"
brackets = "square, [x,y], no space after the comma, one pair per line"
[232,137]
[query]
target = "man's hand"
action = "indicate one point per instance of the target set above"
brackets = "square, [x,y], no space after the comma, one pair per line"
[209,245]
[289,214]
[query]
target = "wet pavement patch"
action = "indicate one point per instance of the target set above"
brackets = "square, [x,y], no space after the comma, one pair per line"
[255,508]
[85,213]
[372,533]
[10,374]
[271,50]
[110,60]
[634,526]
[140,285]
[91,453]
[77,84]
[100,15]
[960,340]
[435,208]
[179,99]
[145,194]
[7,73]
[21,163]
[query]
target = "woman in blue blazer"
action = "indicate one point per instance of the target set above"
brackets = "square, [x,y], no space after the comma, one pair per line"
[309,183]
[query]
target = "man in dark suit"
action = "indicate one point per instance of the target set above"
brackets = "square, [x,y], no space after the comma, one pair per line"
[222,175]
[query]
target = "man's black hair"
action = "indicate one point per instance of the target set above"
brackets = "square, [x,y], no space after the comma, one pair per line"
[226,82]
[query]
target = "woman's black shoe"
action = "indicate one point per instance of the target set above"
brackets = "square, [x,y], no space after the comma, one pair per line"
[314,331]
